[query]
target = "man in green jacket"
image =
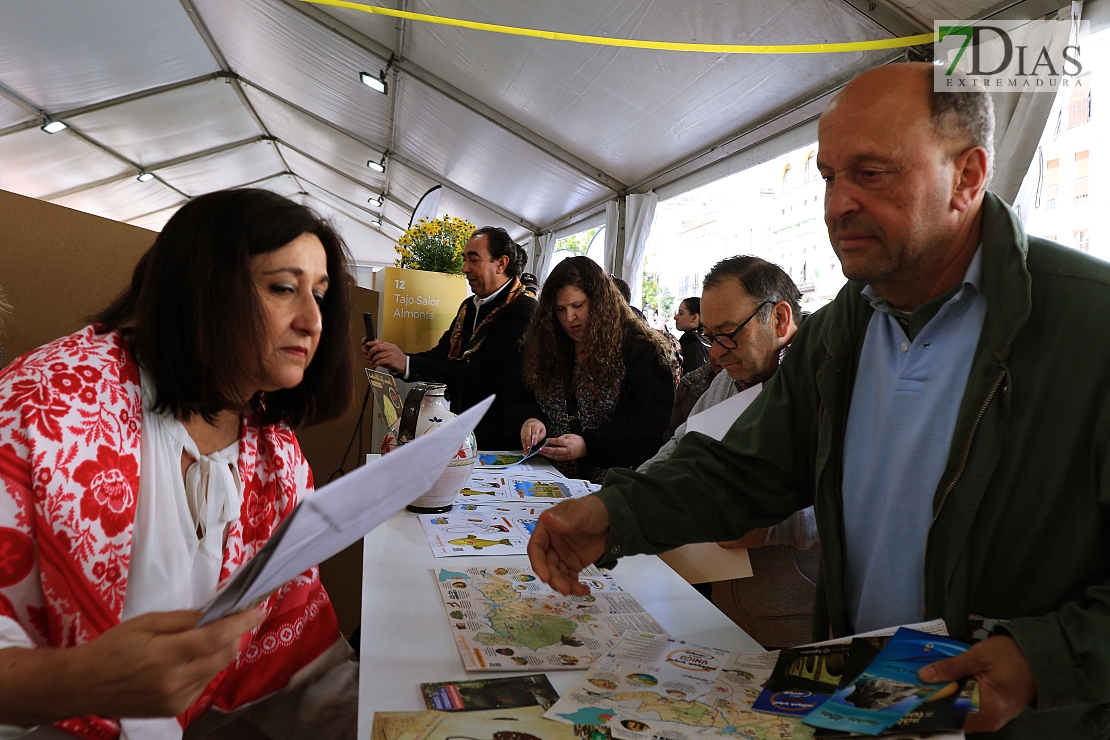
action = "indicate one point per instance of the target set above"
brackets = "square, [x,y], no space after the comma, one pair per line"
[981,498]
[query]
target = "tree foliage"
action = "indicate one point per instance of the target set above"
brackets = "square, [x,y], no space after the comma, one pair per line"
[656,295]
[576,243]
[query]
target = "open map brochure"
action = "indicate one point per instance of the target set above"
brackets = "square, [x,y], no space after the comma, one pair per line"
[482,529]
[504,618]
[651,686]
[521,485]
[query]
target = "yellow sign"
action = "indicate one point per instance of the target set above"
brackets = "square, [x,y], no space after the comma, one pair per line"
[416,306]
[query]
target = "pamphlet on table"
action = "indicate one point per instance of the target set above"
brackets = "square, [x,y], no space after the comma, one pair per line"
[481,529]
[503,618]
[522,485]
[490,693]
[652,686]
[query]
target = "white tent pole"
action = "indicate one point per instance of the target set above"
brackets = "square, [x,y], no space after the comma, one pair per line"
[612,228]
[640,210]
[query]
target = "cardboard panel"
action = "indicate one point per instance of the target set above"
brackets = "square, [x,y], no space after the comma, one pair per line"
[417,306]
[58,267]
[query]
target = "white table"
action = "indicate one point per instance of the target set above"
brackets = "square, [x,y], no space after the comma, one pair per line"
[406,637]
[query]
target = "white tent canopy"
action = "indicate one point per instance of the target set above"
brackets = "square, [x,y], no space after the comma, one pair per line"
[524,133]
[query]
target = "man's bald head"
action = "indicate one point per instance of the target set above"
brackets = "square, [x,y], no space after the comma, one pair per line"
[905,173]
[960,120]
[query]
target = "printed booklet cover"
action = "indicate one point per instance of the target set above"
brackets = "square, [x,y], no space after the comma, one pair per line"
[803,679]
[888,689]
[490,693]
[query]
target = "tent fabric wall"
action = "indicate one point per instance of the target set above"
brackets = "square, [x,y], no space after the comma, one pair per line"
[542,249]
[640,213]
[612,229]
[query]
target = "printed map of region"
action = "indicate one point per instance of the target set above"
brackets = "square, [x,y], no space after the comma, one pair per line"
[640,698]
[503,618]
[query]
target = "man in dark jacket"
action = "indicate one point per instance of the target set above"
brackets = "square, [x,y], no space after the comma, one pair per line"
[481,350]
[947,416]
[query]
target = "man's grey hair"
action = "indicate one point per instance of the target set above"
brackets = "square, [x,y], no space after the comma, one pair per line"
[762,280]
[967,120]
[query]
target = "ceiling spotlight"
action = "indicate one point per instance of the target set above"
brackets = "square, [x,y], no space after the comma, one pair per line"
[375,201]
[377,223]
[378,83]
[377,166]
[145,176]
[53,127]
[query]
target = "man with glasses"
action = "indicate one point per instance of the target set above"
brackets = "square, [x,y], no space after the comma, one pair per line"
[750,314]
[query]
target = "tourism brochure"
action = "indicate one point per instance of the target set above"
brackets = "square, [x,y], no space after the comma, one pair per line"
[490,693]
[503,618]
[889,688]
[499,460]
[522,723]
[945,712]
[482,529]
[487,486]
[650,686]
[803,679]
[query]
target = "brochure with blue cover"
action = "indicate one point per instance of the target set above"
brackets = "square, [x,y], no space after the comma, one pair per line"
[889,688]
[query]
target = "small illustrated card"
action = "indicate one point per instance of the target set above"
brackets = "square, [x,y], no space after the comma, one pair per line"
[481,529]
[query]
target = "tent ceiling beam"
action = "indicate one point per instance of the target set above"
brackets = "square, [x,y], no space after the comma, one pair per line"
[1019,10]
[341,199]
[22,102]
[450,91]
[140,95]
[414,166]
[213,48]
[160,165]
[395,101]
[889,16]
[139,169]
[344,175]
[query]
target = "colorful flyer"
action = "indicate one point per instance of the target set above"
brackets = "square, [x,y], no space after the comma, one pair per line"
[552,489]
[490,693]
[650,687]
[888,689]
[803,679]
[503,618]
[481,529]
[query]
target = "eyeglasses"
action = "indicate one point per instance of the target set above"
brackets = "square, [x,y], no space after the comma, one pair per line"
[728,341]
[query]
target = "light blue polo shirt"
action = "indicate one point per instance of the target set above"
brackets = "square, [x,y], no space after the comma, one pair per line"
[905,400]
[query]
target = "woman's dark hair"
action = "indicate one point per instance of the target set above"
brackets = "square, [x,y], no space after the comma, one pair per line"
[195,323]
[500,244]
[549,352]
[693,305]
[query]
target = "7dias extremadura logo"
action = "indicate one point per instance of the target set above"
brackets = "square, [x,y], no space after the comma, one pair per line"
[1008,56]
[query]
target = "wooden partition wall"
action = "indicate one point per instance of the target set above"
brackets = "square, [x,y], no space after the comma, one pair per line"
[59,266]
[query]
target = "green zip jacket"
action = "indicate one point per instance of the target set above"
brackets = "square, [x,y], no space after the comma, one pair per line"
[1020,529]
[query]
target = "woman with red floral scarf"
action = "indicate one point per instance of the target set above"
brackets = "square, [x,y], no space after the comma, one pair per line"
[145,458]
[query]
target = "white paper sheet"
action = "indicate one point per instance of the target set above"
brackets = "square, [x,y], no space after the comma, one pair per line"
[481,529]
[706,562]
[343,512]
[715,421]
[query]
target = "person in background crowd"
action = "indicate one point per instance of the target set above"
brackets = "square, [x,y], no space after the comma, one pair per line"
[151,453]
[626,292]
[775,606]
[689,389]
[479,354]
[946,416]
[687,319]
[531,284]
[597,383]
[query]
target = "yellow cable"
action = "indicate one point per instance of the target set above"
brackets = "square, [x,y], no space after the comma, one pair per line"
[898,43]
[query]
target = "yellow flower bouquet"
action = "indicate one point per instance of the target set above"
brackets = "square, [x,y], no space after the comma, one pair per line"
[435,246]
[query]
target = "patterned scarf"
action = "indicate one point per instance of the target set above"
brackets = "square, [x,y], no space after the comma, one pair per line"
[594,409]
[457,351]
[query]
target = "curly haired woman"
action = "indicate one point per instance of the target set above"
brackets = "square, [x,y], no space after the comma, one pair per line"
[596,382]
